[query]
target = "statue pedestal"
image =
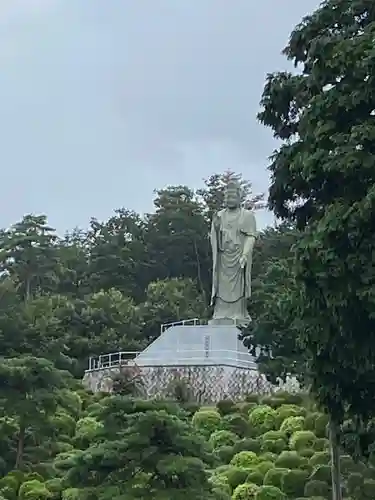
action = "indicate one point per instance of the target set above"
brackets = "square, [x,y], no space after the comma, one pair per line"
[229,322]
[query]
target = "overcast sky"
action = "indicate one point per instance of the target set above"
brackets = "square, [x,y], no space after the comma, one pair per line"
[102,101]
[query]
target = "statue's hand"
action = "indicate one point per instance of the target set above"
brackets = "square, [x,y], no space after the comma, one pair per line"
[243,260]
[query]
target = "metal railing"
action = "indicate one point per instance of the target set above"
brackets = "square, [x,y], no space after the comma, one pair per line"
[190,357]
[182,322]
[195,322]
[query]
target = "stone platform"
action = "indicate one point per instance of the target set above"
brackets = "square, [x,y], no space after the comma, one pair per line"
[209,359]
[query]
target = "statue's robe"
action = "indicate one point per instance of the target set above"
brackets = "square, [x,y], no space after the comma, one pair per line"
[231,284]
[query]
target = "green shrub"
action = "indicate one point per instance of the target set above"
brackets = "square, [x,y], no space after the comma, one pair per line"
[225,454]
[354,484]
[246,408]
[248,444]
[269,493]
[320,458]
[206,421]
[289,460]
[292,424]
[369,489]
[306,452]
[321,473]
[321,444]
[34,490]
[246,491]
[245,459]
[71,494]
[255,477]
[293,482]
[274,446]
[9,486]
[263,418]
[268,457]
[222,438]
[321,425]
[219,494]
[55,487]
[316,489]
[86,430]
[226,406]
[347,465]
[237,424]
[286,411]
[273,436]
[310,421]
[264,467]
[235,476]
[274,477]
[252,398]
[302,440]
[221,482]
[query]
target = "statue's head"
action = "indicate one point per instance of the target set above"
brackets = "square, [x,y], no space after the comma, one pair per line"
[232,195]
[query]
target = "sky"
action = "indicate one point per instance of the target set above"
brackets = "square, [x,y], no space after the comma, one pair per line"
[103,101]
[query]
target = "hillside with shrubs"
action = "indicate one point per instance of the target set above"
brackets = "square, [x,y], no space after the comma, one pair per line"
[97,447]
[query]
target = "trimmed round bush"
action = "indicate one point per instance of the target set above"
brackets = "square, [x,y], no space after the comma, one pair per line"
[302,440]
[293,482]
[248,444]
[269,493]
[292,424]
[306,452]
[206,421]
[225,453]
[268,457]
[316,489]
[320,458]
[264,467]
[246,408]
[273,436]
[354,484]
[222,438]
[290,460]
[226,406]
[235,476]
[71,494]
[274,477]
[33,490]
[274,446]
[321,473]
[286,411]
[245,459]
[246,491]
[310,420]
[221,482]
[321,444]
[263,418]
[369,489]
[321,425]
[236,423]
[255,477]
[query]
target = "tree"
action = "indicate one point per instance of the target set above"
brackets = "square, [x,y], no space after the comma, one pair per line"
[74,254]
[171,300]
[212,194]
[272,336]
[177,237]
[29,393]
[322,178]
[142,449]
[28,255]
[118,255]
[101,323]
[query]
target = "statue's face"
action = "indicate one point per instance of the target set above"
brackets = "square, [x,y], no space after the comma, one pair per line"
[232,198]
